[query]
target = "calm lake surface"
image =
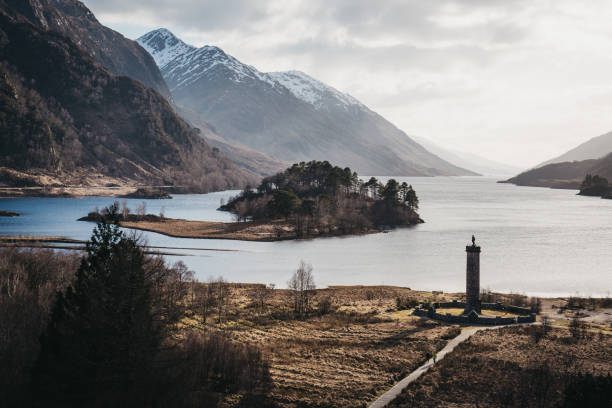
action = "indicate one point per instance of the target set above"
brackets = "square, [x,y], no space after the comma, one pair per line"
[534,240]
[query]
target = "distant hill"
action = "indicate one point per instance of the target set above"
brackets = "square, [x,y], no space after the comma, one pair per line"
[594,148]
[65,119]
[468,160]
[564,175]
[287,115]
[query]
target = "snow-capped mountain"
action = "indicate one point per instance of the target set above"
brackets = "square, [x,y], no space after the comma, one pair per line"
[288,115]
[164,46]
[189,67]
[182,66]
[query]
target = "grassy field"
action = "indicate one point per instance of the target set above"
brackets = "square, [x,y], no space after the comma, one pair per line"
[508,367]
[345,357]
[245,231]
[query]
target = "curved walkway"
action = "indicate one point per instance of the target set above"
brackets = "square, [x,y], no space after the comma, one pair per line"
[396,390]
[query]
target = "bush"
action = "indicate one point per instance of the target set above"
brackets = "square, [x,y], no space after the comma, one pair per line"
[577,328]
[451,333]
[325,305]
[405,302]
[369,295]
[219,364]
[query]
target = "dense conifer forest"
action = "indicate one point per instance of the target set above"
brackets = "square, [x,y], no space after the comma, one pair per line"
[317,197]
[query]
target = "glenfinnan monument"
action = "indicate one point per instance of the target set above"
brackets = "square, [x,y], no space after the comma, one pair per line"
[472,275]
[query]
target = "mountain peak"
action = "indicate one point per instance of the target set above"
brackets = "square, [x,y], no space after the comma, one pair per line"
[209,62]
[163,46]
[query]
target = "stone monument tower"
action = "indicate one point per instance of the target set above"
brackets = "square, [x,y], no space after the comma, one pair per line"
[472,275]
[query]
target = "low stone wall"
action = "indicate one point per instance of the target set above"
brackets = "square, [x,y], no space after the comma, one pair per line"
[526,319]
[518,310]
[487,306]
[473,318]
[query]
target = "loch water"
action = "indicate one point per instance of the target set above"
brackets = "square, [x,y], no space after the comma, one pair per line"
[536,241]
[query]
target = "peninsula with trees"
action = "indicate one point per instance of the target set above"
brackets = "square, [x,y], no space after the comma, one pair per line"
[307,200]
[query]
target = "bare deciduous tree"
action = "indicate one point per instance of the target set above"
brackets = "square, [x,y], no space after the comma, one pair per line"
[220,290]
[260,293]
[125,210]
[302,287]
[203,298]
[141,209]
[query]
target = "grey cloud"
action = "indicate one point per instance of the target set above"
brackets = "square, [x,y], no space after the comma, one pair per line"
[407,20]
[415,20]
[390,58]
[188,14]
[417,41]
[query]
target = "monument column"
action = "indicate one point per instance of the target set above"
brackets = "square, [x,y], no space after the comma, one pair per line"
[472,274]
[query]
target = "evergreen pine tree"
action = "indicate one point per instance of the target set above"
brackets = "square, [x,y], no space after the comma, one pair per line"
[102,337]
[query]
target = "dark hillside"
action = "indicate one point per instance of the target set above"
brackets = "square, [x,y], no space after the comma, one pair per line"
[570,175]
[65,119]
[557,175]
[120,55]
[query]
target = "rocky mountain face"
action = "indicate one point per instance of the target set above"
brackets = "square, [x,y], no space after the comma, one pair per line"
[287,115]
[119,55]
[66,119]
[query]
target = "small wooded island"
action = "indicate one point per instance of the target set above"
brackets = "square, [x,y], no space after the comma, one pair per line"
[595,186]
[307,200]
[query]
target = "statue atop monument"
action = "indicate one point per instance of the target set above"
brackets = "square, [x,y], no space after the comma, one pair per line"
[473,240]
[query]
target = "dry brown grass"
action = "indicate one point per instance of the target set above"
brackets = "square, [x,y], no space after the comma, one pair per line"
[277,230]
[342,359]
[494,367]
[350,356]
[245,231]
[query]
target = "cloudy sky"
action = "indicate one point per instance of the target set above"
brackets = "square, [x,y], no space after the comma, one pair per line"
[516,81]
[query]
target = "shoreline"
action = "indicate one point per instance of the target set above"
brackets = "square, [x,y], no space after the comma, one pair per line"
[274,231]
[115,191]
[27,241]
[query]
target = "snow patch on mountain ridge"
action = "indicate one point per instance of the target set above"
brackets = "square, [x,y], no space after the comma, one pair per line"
[310,90]
[190,67]
[184,64]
